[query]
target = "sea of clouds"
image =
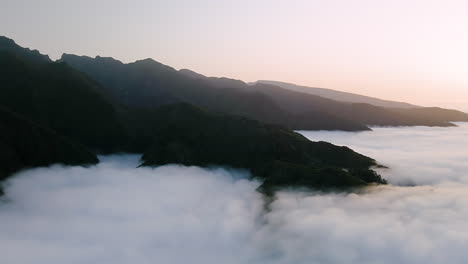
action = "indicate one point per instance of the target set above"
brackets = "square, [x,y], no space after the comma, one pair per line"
[116,213]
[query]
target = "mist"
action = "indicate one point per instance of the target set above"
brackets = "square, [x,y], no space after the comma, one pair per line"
[116,213]
[415,155]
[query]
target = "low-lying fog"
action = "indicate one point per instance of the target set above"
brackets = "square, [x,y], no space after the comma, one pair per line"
[116,213]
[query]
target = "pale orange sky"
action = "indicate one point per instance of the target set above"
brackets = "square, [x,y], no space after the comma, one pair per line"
[407,50]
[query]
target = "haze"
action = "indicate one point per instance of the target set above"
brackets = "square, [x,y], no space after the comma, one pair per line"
[414,51]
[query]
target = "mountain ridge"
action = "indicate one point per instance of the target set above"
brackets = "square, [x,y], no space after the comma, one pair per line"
[60,114]
[147,107]
[157,84]
[339,95]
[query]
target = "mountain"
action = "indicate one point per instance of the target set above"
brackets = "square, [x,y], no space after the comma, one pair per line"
[56,111]
[52,113]
[56,96]
[149,84]
[33,56]
[338,95]
[221,82]
[188,135]
[302,103]
[435,114]
[24,144]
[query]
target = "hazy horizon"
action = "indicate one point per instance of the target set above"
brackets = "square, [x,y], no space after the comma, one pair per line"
[404,51]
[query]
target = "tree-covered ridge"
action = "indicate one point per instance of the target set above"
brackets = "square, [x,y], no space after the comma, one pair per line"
[191,136]
[57,96]
[149,84]
[24,144]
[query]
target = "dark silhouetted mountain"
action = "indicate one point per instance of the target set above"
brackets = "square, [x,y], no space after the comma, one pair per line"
[435,114]
[24,144]
[59,97]
[221,82]
[133,87]
[149,84]
[51,110]
[338,95]
[187,135]
[33,56]
[302,103]
[192,74]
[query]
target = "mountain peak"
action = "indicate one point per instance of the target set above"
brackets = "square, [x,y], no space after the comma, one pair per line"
[66,55]
[74,59]
[108,60]
[7,43]
[192,74]
[10,45]
[150,63]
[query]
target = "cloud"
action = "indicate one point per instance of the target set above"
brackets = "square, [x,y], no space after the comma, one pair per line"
[415,155]
[384,225]
[116,213]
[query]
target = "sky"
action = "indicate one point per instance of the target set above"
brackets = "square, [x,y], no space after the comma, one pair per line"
[116,213]
[407,50]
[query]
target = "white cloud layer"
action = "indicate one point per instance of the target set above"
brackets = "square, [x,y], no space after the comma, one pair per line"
[116,213]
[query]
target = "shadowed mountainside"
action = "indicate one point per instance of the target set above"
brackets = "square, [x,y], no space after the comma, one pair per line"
[59,97]
[338,95]
[149,84]
[24,144]
[279,156]
[53,111]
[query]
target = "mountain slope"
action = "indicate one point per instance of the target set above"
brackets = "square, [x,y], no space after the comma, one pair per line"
[305,104]
[63,109]
[188,135]
[338,95]
[435,114]
[149,84]
[59,97]
[298,103]
[33,56]
[24,144]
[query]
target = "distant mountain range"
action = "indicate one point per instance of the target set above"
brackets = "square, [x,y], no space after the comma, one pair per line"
[338,95]
[67,111]
[149,84]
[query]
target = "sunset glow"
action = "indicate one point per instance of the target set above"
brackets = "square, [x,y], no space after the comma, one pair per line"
[414,51]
